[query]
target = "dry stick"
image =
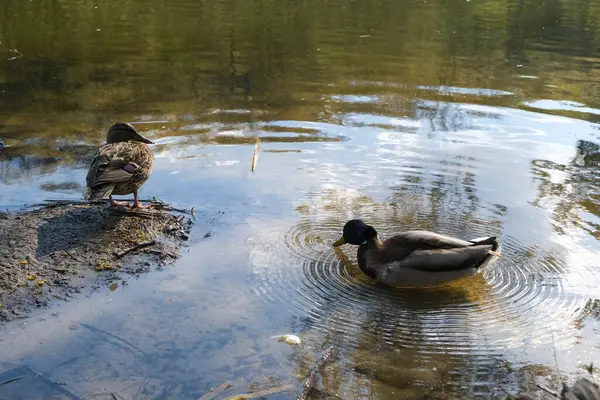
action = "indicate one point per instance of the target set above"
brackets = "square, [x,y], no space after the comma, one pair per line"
[255,155]
[72,256]
[166,207]
[159,205]
[146,229]
[214,392]
[138,213]
[261,393]
[15,287]
[311,379]
[50,203]
[548,390]
[137,246]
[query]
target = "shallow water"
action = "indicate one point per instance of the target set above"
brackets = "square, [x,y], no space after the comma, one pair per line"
[469,118]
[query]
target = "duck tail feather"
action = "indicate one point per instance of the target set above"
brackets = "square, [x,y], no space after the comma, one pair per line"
[99,192]
[490,241]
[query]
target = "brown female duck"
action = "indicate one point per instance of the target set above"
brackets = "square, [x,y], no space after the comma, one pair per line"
[121,166]
[416,258]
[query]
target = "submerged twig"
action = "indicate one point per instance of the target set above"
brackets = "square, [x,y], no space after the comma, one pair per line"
[214,392]
[261,393]
[137,246]
[16,378]
[311,379]
[19,55]
[127,343]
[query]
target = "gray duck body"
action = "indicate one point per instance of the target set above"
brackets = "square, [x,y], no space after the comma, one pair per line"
[417,258]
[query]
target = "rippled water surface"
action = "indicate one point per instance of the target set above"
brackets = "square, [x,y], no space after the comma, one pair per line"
[469,118]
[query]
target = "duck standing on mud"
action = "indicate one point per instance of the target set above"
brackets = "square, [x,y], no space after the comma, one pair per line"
[121,166]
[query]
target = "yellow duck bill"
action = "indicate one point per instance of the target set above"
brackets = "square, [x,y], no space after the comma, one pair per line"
[339,242]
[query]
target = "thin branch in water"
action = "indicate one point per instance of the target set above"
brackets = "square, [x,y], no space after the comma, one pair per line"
[128,344]
[311,379]
[261,393]
[17,378]
[214,392]
[554,353]
[255,155]
[137,246]
[19,55]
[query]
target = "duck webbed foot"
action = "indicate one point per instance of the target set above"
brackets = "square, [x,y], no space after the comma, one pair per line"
[137,204]
[115,203]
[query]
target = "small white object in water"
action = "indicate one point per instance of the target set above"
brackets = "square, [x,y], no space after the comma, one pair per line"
[289,339]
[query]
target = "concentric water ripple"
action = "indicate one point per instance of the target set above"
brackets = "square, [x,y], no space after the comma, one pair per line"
[462,330]
[517,301]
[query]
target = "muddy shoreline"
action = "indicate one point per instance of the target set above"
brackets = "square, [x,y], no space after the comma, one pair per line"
[57,251]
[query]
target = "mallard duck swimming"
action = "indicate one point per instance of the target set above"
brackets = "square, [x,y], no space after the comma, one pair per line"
[416,258]
[121,166]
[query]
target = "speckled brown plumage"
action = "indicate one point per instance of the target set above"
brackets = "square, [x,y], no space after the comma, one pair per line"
[121,166]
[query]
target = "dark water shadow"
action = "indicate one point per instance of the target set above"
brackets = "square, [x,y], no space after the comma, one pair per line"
[22,383]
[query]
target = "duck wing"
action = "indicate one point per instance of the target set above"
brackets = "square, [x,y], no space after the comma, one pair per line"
[432,252]
[403,244]
[447,259]
[427,239]
[110,165]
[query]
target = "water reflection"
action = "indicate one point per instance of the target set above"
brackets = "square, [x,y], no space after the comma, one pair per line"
[469,118]
[89,61]
[25,163]
[571,190]
[459,329]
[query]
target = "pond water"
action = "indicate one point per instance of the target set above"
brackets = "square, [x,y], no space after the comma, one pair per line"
[466,117]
